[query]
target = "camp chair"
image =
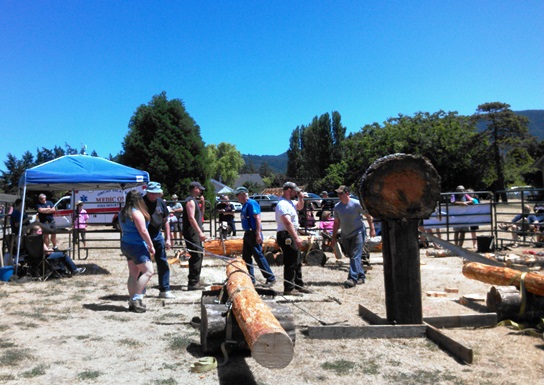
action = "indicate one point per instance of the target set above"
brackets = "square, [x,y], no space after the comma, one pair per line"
[37,259]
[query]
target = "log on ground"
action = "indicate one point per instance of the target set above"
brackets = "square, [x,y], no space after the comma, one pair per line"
[503,276]
[269,343]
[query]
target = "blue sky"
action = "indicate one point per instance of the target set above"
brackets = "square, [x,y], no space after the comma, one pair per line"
[249,72]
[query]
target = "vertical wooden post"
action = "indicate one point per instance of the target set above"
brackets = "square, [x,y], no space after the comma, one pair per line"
[401,190]
[402,276]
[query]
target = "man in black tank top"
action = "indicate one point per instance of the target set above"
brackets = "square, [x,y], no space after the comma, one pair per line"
[194,234]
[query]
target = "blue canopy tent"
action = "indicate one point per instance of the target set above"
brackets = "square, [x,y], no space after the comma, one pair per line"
[78,172]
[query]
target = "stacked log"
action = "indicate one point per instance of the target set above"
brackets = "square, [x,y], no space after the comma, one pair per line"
[269,343]
[504,276]
[234,246]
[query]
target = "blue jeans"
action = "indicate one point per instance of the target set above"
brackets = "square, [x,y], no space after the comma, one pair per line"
[353,248]
[65,260]
[252,248]
[163,269]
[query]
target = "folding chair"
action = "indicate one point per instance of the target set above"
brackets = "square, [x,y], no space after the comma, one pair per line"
[37,259]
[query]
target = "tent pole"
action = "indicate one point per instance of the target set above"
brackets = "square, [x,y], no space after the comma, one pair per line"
[20,229]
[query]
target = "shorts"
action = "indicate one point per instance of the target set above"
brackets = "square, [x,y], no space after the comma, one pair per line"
[176,227]
[137,253]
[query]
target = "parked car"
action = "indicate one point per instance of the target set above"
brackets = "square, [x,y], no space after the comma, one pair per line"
[237,205]
[267,202]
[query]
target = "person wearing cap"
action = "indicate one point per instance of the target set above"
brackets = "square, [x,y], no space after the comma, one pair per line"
[289,240]
[81,222]
[226,213]
[193,232]
[253,237]
[327,204]
[176,226]
[158,211]
[348,217]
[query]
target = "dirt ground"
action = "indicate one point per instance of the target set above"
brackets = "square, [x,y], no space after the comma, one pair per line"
[78,330]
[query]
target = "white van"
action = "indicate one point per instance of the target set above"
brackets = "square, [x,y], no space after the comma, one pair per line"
[101,205]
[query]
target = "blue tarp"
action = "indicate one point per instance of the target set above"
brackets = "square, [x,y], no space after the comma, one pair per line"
[81,172]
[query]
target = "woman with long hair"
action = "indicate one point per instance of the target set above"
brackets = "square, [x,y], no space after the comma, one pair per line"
[137,247]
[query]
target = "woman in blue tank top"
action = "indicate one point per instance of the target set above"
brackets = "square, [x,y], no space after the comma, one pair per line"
[137,247]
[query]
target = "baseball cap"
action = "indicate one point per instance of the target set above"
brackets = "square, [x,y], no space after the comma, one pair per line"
[154,188]
[342,189]
[194,184]
[324,193]
[174,196]
[291,185]
[240,190]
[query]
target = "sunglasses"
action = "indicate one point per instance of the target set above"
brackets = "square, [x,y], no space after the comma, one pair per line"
[341,193]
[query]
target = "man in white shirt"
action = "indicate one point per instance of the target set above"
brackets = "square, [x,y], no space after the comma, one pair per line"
[289,240]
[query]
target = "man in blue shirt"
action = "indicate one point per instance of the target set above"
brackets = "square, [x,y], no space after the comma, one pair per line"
[253,238]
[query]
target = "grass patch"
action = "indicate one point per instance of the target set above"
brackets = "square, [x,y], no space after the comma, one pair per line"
[129,342]
[340,367]
[167,381]
[6,377]
[169,316]
[13,357]
[6,344]
[430,377]
[84,337]
[29,325]
[4,327]
[89,375]
[35,371]
[178,343]
[117,318]
[371,367]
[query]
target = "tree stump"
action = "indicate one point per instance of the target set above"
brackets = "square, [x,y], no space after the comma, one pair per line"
[506,301]
[401,190]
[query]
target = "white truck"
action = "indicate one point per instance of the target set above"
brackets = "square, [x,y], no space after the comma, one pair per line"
[101,205]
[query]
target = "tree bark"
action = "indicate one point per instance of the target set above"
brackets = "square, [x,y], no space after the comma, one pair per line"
[269,343]
[534,282]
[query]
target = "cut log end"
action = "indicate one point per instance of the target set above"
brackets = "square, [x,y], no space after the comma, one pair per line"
[401,186]
[273,350]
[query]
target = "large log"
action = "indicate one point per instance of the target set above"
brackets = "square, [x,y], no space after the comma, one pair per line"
[401,190]
[269,343]
[234,246]
[213,326]
[504,276]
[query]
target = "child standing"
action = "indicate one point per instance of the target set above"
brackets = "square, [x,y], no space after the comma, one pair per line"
[81,222]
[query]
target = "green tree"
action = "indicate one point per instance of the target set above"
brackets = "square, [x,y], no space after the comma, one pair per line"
[449,141]
[225,161]
[164,140]
[505,132]
[15,169]
[294,154]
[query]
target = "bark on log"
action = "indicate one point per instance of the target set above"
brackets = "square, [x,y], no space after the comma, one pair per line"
[234,246]
[269,343]
[503,276]
[214,323]
[506,302]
